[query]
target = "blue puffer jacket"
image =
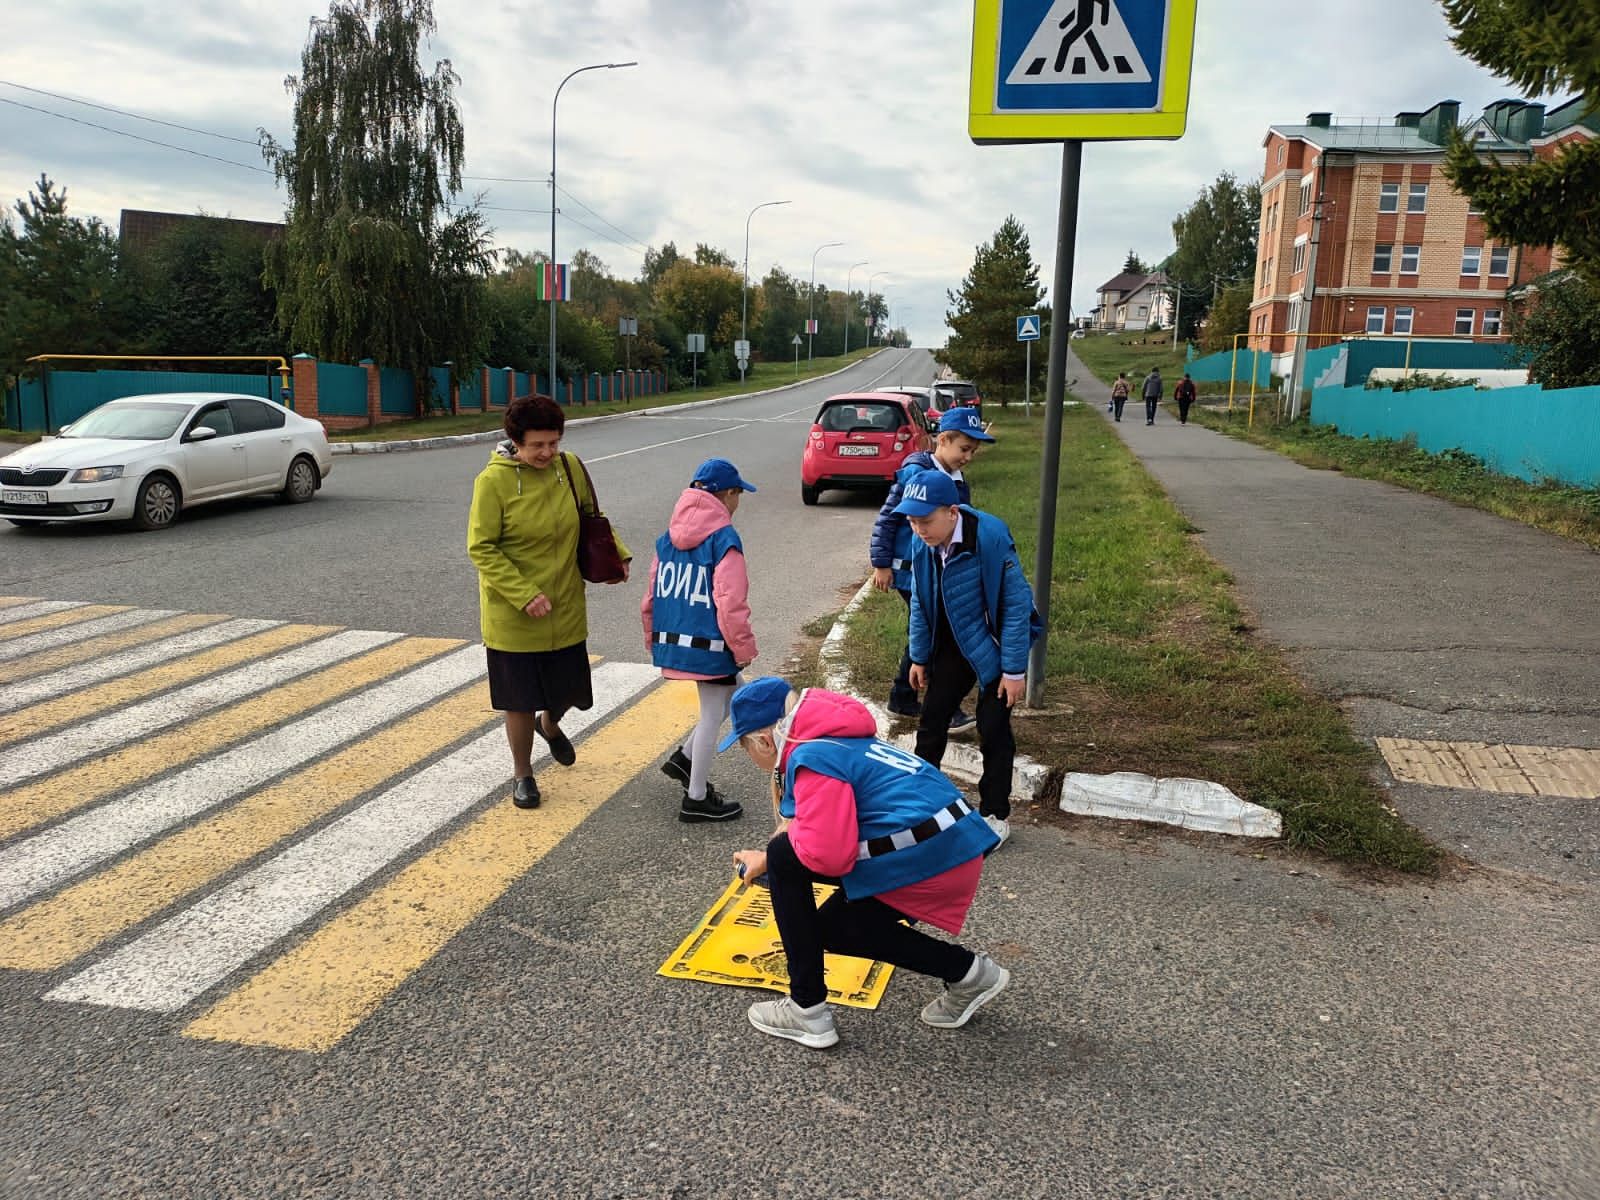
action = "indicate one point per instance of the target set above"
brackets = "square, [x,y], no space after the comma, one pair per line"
[985,594]
[891,534]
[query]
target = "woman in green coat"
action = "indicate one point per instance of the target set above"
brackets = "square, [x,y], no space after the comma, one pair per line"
[522,536]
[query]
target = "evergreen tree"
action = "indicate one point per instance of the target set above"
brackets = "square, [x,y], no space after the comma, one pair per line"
[1134,265]
[202,293]
[1002,285]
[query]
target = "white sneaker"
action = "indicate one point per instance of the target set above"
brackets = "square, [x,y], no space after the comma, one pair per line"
[784,1018]
[954,1006]
[1000,827]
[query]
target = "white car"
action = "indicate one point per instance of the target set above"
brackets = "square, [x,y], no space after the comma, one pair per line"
[146,458]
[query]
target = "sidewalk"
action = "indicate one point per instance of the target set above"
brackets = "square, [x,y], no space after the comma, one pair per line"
[1428,621]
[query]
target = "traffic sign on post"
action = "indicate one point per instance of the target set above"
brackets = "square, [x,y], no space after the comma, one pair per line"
[1028,328]
[1058,70]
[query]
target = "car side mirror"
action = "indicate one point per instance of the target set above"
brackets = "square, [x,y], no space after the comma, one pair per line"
[201,433]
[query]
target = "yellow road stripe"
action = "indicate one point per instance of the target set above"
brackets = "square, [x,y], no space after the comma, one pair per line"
[315,995]
[55,931]
[67,616]
[13,601]
[99,647]
[115,693]
[28,805]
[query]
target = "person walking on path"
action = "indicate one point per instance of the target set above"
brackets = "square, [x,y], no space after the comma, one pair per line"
[1119,394]
[888,829]
[696,614]
[1184,394]
[972,622]
[1152,394]
[522,536]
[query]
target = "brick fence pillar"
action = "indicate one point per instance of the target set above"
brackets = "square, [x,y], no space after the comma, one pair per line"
[484,404]
[455,395]
[303,371]
[374,392]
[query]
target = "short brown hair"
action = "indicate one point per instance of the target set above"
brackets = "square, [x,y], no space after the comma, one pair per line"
[528,413]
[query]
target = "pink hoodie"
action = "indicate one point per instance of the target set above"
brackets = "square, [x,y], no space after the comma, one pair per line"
[824,832]
[697,515]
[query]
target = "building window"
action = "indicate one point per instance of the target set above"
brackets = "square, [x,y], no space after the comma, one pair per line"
[1464,319]
[1410,260]
[1402,319]
[1305,195]
[1417,198]
[1500,260]
[1375,318]
[1281,148]
[1299,258]
[1294,316]
[1383,259]
[1491,322]
[1388,197]
[1471,260]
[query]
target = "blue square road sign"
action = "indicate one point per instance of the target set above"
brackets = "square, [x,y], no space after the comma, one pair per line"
[1028,328]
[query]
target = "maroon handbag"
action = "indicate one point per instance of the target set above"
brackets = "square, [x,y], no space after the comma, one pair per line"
[598,558]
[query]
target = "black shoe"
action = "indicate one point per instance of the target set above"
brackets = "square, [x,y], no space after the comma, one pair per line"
[560,744]
[712,808]
[677,767]
[526,793]
[912,710]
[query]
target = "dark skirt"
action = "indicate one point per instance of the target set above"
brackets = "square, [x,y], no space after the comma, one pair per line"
[540,680]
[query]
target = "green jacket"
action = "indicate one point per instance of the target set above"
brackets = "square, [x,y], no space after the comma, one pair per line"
[522,535]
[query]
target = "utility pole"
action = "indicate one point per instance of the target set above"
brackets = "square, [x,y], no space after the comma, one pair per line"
[744,290]
[811,318]
[1303,326]
[848,315]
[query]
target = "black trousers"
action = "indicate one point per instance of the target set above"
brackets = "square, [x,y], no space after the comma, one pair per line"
[860,928]
[950,678]
[1183,409]
[1116,404]
[1150,403]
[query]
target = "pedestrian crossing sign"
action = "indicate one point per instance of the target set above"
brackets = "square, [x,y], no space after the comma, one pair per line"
[1054,70]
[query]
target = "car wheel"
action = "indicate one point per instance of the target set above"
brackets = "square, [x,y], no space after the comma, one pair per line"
[158,503]
[301,483]
[809,494]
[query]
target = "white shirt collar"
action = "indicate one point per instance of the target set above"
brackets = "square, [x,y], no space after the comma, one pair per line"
[955,538]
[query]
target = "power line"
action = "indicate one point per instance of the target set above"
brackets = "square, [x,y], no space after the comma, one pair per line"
[636,244]
[122,112]
[136,137]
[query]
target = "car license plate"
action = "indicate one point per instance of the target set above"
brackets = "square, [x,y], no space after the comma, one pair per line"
[10,497]
[864,451]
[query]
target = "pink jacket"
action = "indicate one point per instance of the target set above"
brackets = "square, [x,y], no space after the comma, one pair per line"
[824,832]
[696,516]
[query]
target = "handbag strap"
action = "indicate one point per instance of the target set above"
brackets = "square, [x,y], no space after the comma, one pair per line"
[569,459]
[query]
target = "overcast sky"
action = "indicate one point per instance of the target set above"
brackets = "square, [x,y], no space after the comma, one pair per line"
[853,111]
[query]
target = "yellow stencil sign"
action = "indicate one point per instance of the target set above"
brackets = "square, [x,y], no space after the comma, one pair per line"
[737,943]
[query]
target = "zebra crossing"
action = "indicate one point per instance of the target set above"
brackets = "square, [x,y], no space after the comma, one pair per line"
[194,809]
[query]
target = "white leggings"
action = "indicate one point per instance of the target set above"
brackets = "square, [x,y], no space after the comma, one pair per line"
[702,746]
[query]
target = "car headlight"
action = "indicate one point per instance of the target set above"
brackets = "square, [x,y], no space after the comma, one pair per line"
[96,474]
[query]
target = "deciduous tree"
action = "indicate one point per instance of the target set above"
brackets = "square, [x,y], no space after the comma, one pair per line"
[1216,244]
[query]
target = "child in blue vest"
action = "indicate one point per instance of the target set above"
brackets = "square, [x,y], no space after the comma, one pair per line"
[696,614]
[961,434]
[891,831]
[972,622]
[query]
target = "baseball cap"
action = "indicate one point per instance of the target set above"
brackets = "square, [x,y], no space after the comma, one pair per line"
[964,420]
[718,475]
[927,492]
[757,705]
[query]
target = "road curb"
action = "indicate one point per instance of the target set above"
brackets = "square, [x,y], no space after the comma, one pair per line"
[495,435]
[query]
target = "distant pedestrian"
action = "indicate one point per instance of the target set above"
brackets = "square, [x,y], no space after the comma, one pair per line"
[522,535]
[1152,394]
[1184,394]
[1119,394]
[696,614]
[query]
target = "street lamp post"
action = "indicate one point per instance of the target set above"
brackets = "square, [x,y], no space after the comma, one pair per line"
[847,315]
[870,278]
[554,208]
[744,291]
[811,338]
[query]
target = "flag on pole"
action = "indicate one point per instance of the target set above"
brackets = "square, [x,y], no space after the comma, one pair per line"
[554,282]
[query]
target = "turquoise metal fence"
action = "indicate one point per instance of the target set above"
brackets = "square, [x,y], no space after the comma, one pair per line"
[57,398]
[397,395]
[341,390]
[1215,368]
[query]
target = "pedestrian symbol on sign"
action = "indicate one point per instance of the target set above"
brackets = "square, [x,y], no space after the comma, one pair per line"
[1081,41]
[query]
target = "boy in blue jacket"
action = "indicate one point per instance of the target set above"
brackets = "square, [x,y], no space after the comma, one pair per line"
[961,434]
[972,621]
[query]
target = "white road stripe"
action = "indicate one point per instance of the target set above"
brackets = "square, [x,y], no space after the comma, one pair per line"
[65,850]
[39,608]
[47,639]
[137,721]
[125,662]
[693,437]
[195,950]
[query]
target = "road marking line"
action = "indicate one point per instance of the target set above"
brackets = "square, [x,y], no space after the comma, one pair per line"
[193,951]
[35,608]
[658,445]
[87,783]
[110,666]
[73,922]
[57,619]
[48,638]
[315,995]
[96,649]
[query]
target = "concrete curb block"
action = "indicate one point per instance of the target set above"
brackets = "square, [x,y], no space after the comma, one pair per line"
[495,435]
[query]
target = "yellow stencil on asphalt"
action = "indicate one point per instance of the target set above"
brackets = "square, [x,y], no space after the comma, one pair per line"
[737,944]
[74,653]
[55,931]
[13,601]
[77,787]
[55,620]
[1571,772]
[315,995]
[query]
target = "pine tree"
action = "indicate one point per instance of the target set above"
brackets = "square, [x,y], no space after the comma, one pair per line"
[1002,285]
[1134,265]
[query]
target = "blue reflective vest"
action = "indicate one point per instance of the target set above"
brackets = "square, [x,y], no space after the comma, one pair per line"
[685,635]
[914,822]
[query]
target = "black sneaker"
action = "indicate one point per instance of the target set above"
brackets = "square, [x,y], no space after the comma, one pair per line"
[912,710]
[712,808]
[526,793]
[677,767]
[961,721]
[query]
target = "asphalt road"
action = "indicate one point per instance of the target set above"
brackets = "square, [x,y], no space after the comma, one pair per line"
[1188,1018]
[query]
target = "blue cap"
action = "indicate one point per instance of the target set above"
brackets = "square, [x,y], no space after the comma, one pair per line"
[927,492]
[964,420]
[718,475]
[757,705]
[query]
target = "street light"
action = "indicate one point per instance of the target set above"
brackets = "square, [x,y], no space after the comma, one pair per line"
[554,207]
[847,315]
[870,278]
[811,338]
[744,291]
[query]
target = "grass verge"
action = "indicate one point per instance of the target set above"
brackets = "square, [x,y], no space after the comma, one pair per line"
[1152,665]
[1107,353]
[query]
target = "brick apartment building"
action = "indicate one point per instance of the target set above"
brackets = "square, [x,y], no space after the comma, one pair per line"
[1395,249]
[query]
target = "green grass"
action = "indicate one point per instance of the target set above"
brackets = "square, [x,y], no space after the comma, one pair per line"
[15,437]
[1107,353]
[1152,666]
[760,377]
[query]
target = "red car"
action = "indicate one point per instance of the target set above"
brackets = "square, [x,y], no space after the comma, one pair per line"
[859,440]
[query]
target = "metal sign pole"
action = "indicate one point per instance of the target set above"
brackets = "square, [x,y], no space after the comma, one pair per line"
[1055,395]
[1027,380]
